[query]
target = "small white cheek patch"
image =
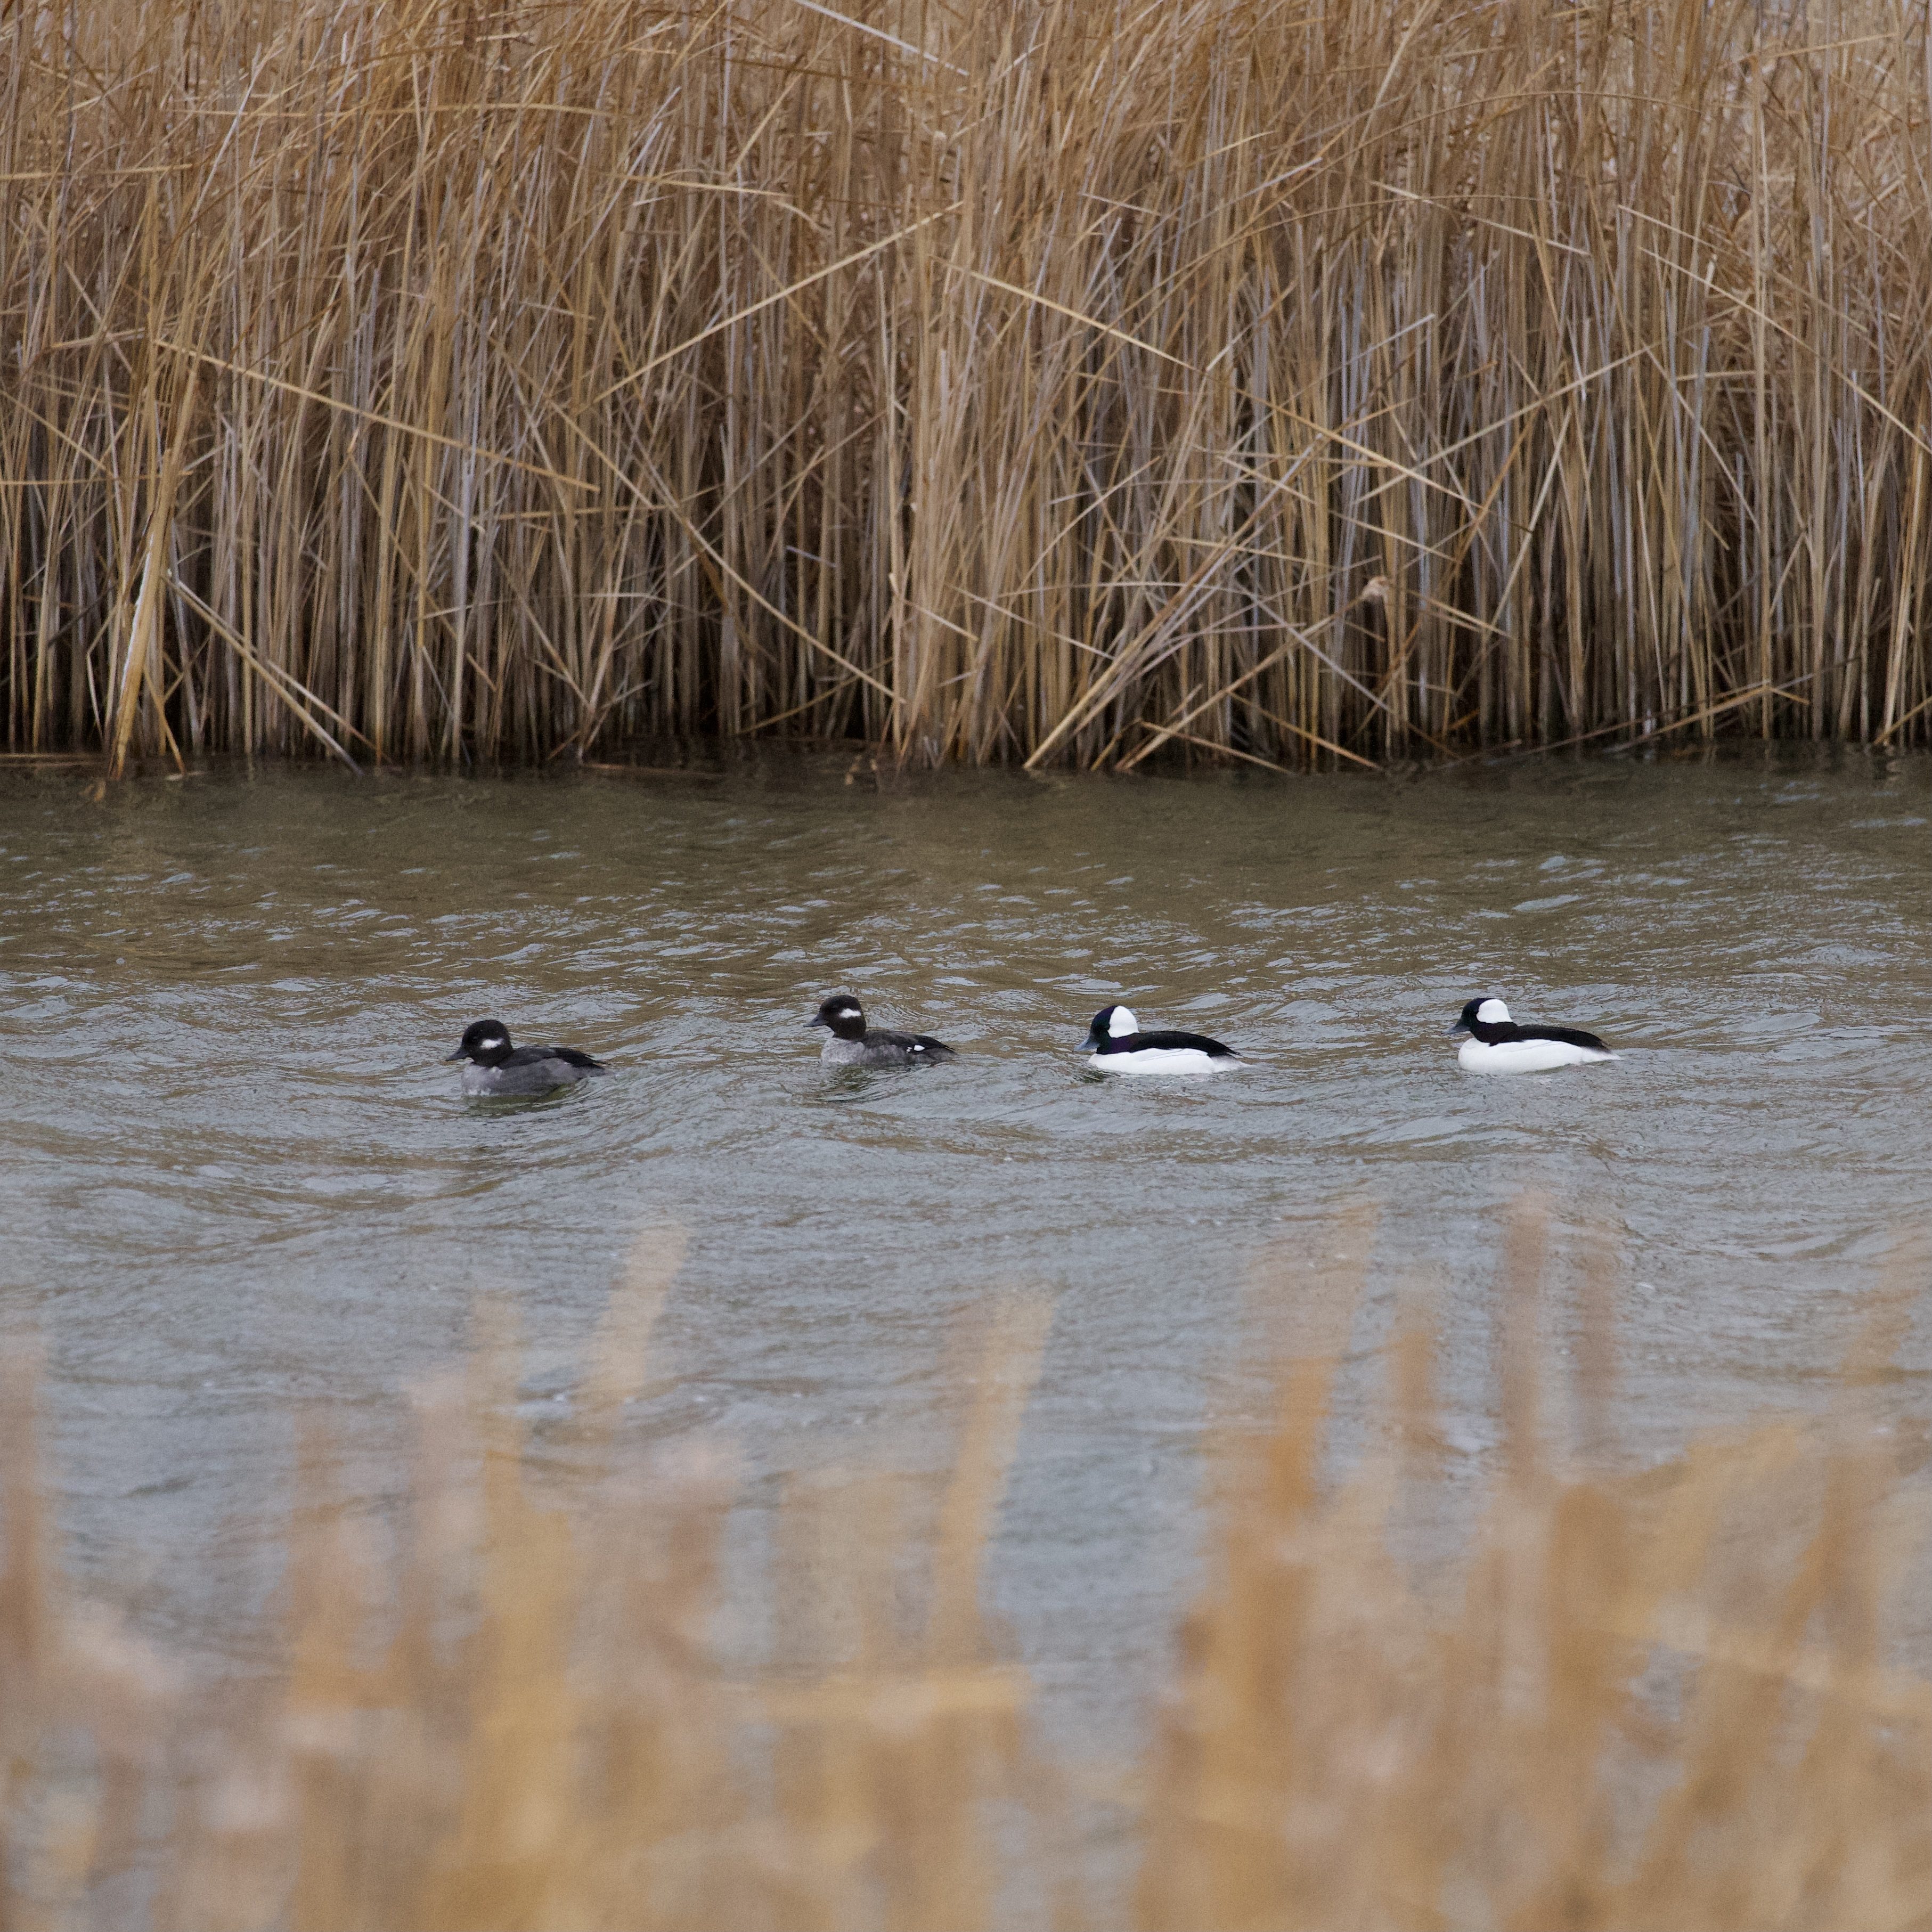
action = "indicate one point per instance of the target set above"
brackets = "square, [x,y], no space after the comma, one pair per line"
[1122,1024]
[1493,1012]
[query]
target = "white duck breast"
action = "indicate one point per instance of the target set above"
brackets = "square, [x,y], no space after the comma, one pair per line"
[1118,1046]
[1525,1056]
[1495,1044]
[1164,1060]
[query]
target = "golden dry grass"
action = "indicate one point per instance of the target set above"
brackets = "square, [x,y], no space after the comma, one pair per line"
[1664,1699]
[1068,381]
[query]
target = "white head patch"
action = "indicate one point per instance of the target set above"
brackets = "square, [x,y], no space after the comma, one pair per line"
[1122,1024]
[1493,1012]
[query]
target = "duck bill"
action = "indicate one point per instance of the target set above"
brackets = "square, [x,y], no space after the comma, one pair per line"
[1088,1046]
[1457,1030]
[810,1023]
[450,1059]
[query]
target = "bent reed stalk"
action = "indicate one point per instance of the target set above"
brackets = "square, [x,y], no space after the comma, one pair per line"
[1058,381]
[1661,1698]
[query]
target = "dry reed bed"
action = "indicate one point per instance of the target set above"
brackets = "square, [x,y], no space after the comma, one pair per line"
[1058,380]
[1663,1699]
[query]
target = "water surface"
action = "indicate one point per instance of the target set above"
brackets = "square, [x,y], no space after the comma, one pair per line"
[240,1181]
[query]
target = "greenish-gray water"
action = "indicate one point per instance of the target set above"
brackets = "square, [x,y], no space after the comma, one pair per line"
[241,1185]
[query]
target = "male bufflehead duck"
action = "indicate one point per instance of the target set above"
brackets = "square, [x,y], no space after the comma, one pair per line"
[1119,1046]
[850,1042]
[496,1067]
[1495,1044]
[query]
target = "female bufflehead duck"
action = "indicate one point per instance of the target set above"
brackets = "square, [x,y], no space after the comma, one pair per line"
[497,1067]
[1495,1044]
[1119,1046]
[850,1042]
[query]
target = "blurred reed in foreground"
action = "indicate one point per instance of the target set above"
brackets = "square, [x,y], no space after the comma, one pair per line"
[1068,381]
[1658,1699]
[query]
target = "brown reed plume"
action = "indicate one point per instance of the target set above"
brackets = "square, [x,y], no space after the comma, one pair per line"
[1658,1699]
[1064,381]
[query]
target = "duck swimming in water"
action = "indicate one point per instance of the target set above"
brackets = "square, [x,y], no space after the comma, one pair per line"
[850,1042]
[1118,1046]
[1492,1042]
[519,1072]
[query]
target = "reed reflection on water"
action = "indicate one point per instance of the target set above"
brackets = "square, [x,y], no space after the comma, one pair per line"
[1660,1699]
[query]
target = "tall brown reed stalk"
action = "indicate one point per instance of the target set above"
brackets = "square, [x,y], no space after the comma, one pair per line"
[1052,381]
[1660,1699]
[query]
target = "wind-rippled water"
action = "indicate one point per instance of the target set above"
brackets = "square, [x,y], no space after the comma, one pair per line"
[239,1180]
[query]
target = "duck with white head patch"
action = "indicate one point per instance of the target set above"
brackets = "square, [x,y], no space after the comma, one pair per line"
[1492,1042]
[498,1069]
[1118,1046]
[849,1042]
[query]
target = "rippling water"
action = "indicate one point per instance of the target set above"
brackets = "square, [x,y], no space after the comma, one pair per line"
[239,1181]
